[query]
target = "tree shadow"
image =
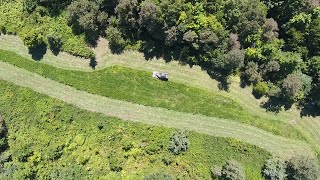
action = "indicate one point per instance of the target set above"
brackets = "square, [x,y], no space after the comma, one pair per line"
[224,83]
[55,50]
[116,48]
[309,106]
[275,104]
[38,52]
[91,38]
[93,63]
[310,109]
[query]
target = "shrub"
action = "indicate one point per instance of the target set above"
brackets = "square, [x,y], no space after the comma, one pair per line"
[215,171]
[159,176]
[179,142]
[302,167]
[127,146]
[115,162]
[32,37]
[167,159]
[274,169]
[261,88]
[232,170]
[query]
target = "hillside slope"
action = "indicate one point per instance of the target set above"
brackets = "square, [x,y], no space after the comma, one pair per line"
[155,116]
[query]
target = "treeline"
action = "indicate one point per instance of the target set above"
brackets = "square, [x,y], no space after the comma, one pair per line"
[273,45]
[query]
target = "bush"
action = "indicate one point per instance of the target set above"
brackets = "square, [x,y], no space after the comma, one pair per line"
[32,38]
[261,89]
[167,159]
[274,169]
[115,162]
[302,167]
[178,142]
[232,170]
[159,176]
[215,171]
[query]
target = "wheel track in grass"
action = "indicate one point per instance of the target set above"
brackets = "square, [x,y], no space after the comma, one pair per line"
[154,116]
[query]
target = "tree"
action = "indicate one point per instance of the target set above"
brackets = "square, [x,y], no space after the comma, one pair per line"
[292,86]
[270,30]
[261,89]
[229,63]
[179,142]
[232,170]
[116,41]
[245,17]
[274,169]
[283,10]
[149,16]
[159,176]
[251,73]
[32,37]
[86,15]
[127,11]
[303,168]
[233,42]
[314,66]
[314,37]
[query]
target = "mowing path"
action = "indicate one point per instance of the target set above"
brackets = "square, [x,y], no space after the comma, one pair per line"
[154,116]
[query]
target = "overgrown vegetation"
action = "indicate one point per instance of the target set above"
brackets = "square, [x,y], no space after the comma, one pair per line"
[296,168]
[50,139]
[273,45]
[139,87]
[37,26]
[264,41]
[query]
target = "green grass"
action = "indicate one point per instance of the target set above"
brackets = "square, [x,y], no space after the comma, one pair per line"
[50,136]
[277,145]
[139,87]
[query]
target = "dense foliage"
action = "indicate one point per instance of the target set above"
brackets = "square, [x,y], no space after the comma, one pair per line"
[274,169]
[302,167]
[139,87]
[179,142]
[267,42]
[49,139]
[232,170]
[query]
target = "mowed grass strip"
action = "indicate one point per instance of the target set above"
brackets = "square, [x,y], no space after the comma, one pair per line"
[139,87]
[308,126]
[39,124]
[155,116]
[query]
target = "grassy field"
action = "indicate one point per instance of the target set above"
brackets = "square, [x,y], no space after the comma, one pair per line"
[139,87]
[194,77]
[49,138]
[153,115]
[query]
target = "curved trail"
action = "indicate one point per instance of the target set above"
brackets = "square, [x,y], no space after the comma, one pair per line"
[154,116]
